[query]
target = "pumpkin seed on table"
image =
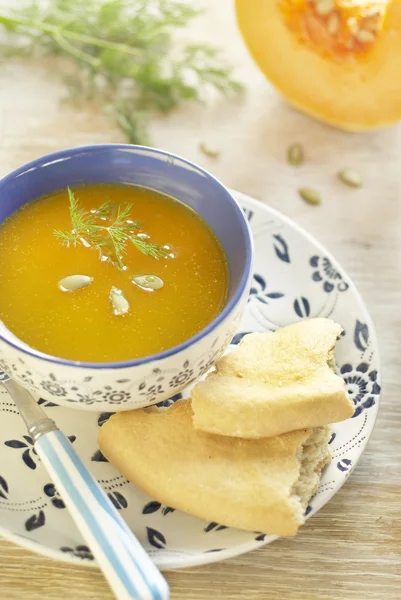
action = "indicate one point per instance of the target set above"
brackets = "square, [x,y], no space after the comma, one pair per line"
[295,155]
[72,283]
[208,151]
[119,302]
[350,177]
[148,282]
[310,195]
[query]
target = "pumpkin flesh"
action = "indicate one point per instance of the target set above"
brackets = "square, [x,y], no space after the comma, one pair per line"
[336,60]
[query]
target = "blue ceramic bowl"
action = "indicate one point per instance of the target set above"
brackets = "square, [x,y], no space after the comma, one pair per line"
[145,381]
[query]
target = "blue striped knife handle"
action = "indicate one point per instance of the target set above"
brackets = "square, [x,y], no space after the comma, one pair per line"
[125,564]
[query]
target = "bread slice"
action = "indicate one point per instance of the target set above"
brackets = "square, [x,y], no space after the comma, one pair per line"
[258,485]
[274,383]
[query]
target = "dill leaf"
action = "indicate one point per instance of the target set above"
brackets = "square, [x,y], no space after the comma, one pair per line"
[107,229]
[148,248]
[124,54]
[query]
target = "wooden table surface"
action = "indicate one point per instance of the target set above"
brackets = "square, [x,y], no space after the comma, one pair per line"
[352,548]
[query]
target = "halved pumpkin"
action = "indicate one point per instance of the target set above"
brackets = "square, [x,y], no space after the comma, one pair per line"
[337,60]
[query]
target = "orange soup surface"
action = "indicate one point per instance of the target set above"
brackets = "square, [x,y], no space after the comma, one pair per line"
[81,325]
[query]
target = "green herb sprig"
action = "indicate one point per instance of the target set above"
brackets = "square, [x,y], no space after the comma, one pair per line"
[108,229]
[123,52]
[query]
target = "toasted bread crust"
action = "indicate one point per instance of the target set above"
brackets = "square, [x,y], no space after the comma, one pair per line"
[249,484]
[274,383]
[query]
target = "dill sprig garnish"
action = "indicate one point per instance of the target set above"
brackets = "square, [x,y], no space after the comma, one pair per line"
[108,229]
[124,54]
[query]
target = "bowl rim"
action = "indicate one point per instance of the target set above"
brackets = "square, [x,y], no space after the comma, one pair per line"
[228,308]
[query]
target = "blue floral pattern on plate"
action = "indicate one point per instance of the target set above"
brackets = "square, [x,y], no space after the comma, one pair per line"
[362,386]
[326,274]
[294,278]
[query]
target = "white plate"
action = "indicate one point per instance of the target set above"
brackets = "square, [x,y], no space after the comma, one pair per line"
[295,278]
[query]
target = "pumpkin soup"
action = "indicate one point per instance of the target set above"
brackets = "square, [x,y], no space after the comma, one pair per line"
[109,272]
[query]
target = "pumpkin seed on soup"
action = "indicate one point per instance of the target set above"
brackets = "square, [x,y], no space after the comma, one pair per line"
[72,283]
[148,282]
[119,302]
[295,155]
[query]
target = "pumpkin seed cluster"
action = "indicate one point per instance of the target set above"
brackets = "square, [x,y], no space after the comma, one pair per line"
[296,157]
[118,302]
